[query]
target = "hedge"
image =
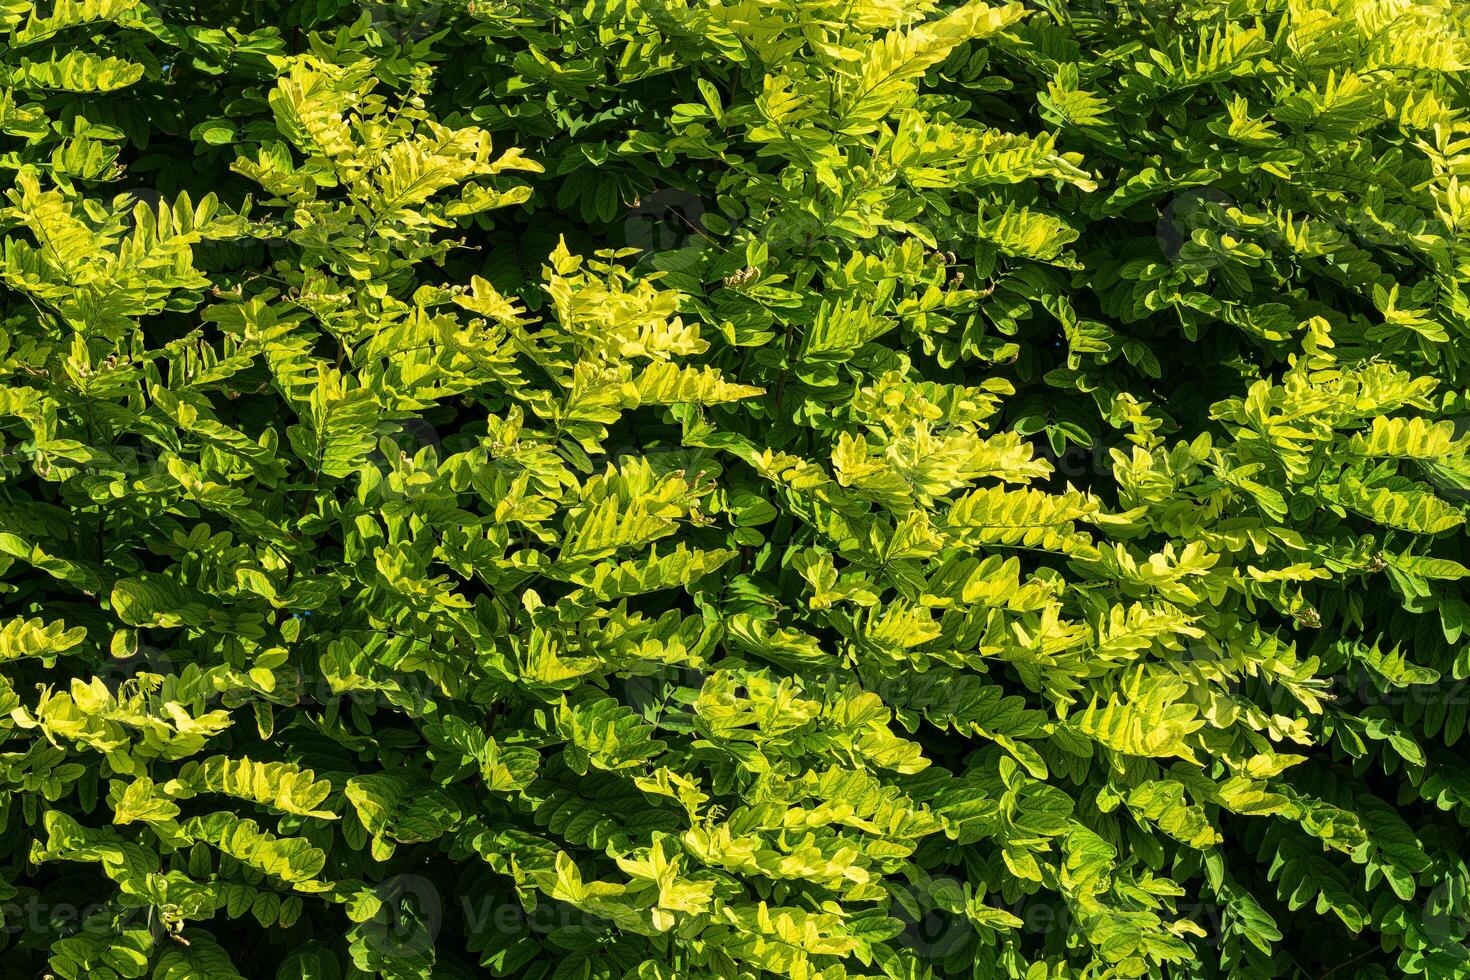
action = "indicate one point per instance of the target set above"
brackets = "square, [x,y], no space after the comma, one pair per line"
[664,489]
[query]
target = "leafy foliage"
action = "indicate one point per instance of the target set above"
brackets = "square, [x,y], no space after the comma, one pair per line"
[794,489]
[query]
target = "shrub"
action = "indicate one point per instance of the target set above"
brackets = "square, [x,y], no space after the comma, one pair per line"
[812,489]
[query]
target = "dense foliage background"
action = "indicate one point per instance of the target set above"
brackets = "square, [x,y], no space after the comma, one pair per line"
[778,488]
